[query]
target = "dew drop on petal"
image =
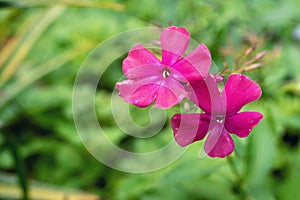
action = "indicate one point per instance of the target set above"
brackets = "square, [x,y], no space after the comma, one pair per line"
[241,77]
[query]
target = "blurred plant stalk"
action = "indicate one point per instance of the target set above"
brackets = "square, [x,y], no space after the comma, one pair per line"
[13,81]
[16,50]
[75,3]
[248,59]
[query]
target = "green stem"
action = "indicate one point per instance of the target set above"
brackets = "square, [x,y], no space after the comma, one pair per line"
[19,165]
[239,182]
[234,169]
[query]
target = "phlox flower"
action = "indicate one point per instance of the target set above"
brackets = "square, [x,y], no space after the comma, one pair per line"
[221,115]
[162,81]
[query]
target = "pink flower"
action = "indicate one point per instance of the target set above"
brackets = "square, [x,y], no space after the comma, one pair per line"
[221,116]
[150,79]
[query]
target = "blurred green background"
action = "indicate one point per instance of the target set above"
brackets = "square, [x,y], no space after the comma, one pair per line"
[42,46]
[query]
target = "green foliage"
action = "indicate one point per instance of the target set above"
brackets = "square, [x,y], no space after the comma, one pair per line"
[43,45]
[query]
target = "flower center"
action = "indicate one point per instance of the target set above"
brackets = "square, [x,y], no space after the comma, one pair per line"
[166,73]
[220,118]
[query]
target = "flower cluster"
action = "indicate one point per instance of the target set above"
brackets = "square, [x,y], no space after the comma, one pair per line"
[168,81]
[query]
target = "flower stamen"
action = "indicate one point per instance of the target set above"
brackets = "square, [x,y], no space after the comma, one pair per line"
[220,118]
[166,73]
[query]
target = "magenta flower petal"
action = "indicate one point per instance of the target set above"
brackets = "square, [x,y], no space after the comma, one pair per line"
[166,98]
[170,93]
[195,65]
[240,90]
[174,42]
[164,79]
[205,93]
[189,128]
[138,56]
[145,71]
[140,93]
[219,143]
[242,123]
